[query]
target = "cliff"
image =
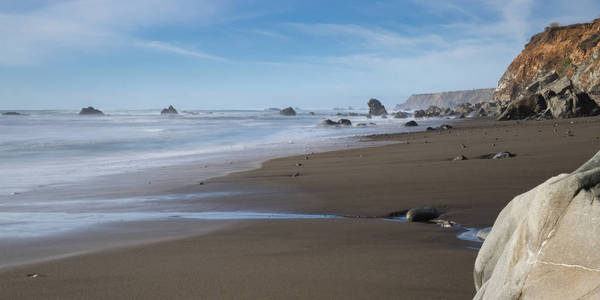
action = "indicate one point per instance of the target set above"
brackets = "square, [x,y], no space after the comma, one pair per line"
[446,99]
[571,51]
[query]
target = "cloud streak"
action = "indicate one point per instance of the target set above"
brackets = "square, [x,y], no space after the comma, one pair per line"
[83,26]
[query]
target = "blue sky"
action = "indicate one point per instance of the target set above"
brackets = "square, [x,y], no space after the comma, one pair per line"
[201,54]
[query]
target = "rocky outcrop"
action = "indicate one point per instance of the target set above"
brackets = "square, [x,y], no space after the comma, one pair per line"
[560,65]
[412,123]
[376,108]
[446,99]
[551,96]
[544,244]
[169,111]
[344,122]
[288,111]
[90,111]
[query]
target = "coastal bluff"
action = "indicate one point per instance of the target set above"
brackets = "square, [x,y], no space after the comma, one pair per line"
[544,244]
[555,76]
[446,99]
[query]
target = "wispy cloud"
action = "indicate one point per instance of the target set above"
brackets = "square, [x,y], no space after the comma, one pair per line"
[372,37]
[162,46]
[270,33]
[68,27]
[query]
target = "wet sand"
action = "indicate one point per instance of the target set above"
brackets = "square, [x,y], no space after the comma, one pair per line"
[334,258]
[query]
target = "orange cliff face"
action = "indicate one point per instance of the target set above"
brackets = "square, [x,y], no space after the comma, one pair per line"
[570,51]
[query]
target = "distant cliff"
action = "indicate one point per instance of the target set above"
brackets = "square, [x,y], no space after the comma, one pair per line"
[571,51]
[446,99]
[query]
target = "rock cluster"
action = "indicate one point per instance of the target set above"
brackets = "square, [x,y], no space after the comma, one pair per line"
[544,244]
[169,111]
[90,111]
[551,96]
[12,113]
[340,122]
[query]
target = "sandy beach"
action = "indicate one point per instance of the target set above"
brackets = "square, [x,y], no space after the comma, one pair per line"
[326,258]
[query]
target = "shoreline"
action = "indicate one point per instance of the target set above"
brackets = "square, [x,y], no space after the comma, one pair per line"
[132,185]
[365,181]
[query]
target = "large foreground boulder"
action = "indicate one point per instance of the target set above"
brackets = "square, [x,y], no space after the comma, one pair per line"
[90,111]
[288,111]
[545,243]
[376,108]
[169,111]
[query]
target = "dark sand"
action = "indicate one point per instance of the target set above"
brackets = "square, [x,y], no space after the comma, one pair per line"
[339,258]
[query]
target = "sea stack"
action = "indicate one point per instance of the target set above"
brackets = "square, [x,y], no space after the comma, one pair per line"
[169,111]
[90,111]
[288,111]
[376,108]
[544,244]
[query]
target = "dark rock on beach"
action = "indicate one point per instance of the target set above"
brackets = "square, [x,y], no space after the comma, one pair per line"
[288,111]
[411,123]
[169,111]
[423,214]
[90,111]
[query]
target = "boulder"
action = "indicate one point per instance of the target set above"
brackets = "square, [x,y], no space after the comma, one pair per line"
[544,243]
[169,111]
[344,122]
[288,111]
[90,111]
[401,115]
[433,111]
[422,214]
[420,113]
[328,122]
[460,157]
[376,108]
[446,127]
[411,123]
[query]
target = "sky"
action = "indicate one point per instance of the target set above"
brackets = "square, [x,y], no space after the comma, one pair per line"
[244,54]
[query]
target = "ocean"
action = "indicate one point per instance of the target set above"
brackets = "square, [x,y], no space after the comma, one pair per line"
[50,150]
[60,146]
